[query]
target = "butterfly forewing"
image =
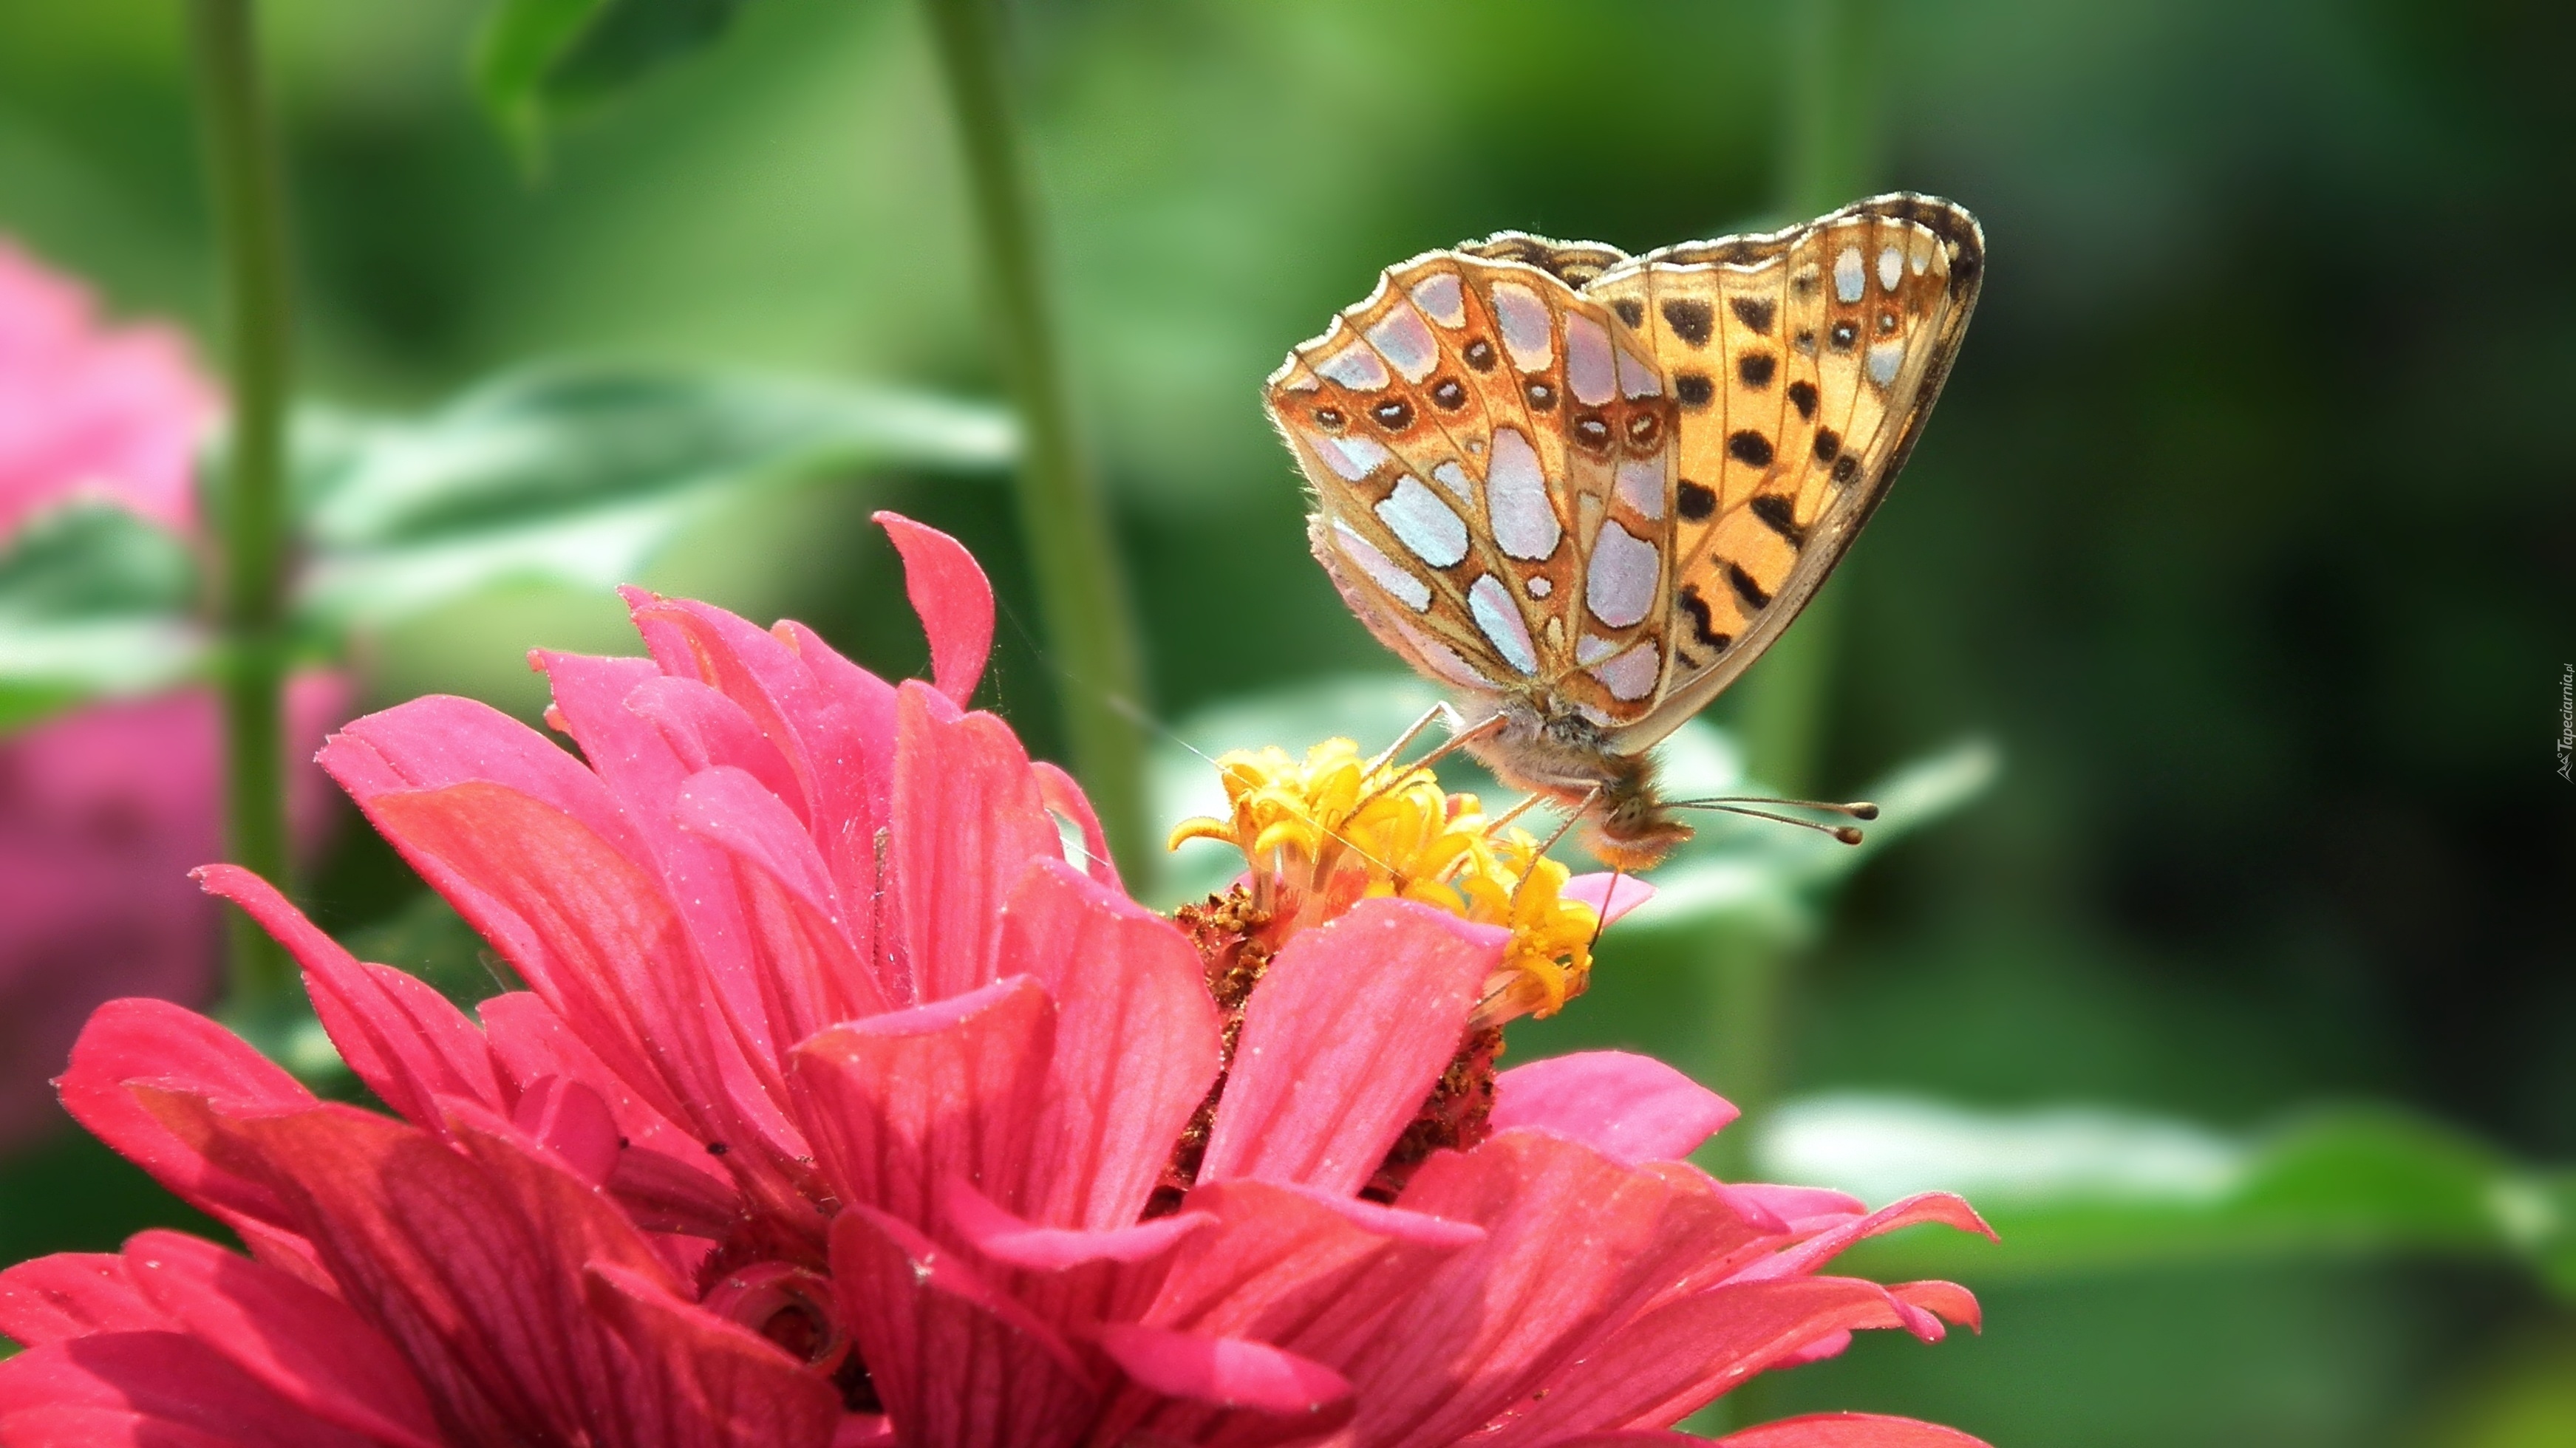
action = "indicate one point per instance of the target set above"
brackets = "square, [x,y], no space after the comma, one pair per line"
[1823,349]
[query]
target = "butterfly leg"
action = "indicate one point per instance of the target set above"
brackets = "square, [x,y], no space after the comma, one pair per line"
[1404,741]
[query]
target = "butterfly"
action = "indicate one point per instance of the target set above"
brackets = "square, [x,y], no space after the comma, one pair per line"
[1586,490]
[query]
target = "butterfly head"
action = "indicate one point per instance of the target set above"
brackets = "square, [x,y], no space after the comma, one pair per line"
[1630,827]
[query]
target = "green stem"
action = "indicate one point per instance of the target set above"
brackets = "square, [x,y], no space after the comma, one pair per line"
[1074,554]
[243,177]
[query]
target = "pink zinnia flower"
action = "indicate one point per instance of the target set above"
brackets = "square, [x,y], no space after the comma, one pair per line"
[846,1103]
[103,811]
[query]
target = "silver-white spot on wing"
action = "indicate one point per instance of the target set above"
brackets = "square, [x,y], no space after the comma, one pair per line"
[1641,485]
[1884,360]
[1422,523]
[1589,374]
[1382,570]
[1631,676]
[1406,342]
[1355,367]
[1525,522]
[1620,585]
[1850,280]
[1891,269]
[1501,623]
[1441,299]
[1526,333]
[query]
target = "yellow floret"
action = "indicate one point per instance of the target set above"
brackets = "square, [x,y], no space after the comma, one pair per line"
[1322,833]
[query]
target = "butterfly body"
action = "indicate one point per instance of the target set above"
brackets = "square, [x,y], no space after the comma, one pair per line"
[1585,490]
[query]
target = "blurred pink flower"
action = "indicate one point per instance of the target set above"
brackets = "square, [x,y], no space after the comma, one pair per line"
[842,1080]
[90,409]
[104,811]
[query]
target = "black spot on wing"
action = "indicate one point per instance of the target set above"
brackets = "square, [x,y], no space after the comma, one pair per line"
[1630,310]
[1802,396]
[1750,448]
[1756,369]
[1703,622]
[1693,389]
[1753,312]
[1694,501]
[1829,444]
[1690,319]
[1779,512]
[1745,588]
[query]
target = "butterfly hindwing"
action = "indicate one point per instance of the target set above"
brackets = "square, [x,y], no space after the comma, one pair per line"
[1490,454]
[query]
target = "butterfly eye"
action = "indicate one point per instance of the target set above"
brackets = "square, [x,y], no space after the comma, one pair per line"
[1592,432]
[1645,429]
[1394,414]
[1480,355]
[1448,395]
[1542,398]
[1330,419]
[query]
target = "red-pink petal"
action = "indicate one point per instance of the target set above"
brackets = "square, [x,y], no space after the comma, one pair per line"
[948,589]
[1610,895]
[155,1041]
[957,1364]
[300,1342]
[1066,798]
[1136,1042]
[570,1120]
[968,820]
[149,1390]
[1228,1372]
[1343,1039]
[1948,1300]
[1807,1256]
[1677,1357]
[1576,1245]
[1628,1107]
[72,1294]
[401,1037]
[900,1101]
[694,1379]
[1014,1241]
[1850,1430]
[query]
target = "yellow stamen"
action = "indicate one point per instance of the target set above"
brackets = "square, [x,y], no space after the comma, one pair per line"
[1322,833]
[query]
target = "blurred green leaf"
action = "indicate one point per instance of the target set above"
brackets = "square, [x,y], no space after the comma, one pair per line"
[581,476]
[2076,1191]
[93,601]
[537,59]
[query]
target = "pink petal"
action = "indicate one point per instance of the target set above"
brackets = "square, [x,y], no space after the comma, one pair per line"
[437,741]
[900,1101]
[145,1040]
[1610,895]
[694,1378]
[956,1363]
[1948,1300]
[601,945]
[810,954]
[706,730]
[1576,1244]
[72,1294]
[1342,1041]
[1228,1372]
[1066,798]
[1136,1042]
[968,820]
[1850,1430]
[570,1120]
[401,1037]
[1684,1354]
[1803,1209]
[1629,1108]
[1014,1241]
[300,1342]
[1807,1256]
[1293,1259]
[949,591]
[150,1390]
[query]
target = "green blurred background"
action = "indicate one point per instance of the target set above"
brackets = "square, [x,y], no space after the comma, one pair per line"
[2243,532]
